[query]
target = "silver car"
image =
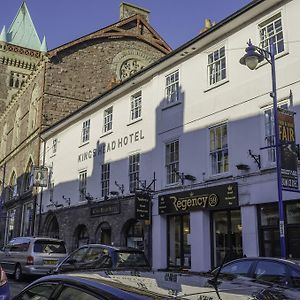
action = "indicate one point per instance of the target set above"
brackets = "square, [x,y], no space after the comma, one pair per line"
[31,255]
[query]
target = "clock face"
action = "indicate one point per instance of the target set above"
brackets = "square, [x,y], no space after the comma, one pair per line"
[130,66]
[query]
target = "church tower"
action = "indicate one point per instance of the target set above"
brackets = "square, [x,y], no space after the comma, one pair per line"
[20,51]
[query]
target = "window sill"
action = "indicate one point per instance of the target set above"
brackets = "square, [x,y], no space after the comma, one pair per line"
[83,144]
[106,133]
[172,104]
[213,177]
[134,121]
[216,85]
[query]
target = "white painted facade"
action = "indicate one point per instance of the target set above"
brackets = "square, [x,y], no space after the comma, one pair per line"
[239,101]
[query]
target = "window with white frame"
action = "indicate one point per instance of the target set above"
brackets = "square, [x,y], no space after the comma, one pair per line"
[136,106]
[85,135]
[82,184]
[270,131]
[134,172]
[172,87]
[105,174]
[54,145]
[172,162]
[216,66]
[271,33]
[219,149]
[108,118]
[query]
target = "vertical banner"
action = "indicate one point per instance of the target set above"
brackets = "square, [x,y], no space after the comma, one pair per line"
[289,158]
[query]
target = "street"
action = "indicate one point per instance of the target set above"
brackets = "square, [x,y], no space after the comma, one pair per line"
[17,286]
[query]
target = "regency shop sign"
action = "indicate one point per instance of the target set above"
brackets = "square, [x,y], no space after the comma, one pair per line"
[209,198]
[105,147]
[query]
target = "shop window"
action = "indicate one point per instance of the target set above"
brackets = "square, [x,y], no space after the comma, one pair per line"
[27,219]
[227,236]
[103,234]
[179,249]
[82,237]
[268,221]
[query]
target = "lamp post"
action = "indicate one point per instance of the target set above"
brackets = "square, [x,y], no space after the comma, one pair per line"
[253,56]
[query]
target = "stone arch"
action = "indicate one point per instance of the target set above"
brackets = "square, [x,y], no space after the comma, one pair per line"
[103,234]
[80,236]
[133,234]
[51,227]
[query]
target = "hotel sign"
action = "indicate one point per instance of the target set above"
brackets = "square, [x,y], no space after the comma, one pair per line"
[104,209]
[211,198]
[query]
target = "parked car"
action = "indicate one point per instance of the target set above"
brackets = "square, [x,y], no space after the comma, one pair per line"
[98,256]
[283,272]
[4,288]
[122,285]
[31,255]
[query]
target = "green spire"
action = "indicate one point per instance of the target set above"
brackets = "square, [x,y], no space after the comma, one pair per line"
[22,31]
[3,35]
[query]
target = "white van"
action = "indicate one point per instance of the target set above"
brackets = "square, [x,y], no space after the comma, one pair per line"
[31,255]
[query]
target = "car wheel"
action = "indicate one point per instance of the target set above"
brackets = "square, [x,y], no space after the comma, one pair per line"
[18,273]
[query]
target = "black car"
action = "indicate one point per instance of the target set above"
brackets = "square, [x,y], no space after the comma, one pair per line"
[282,272]
[98,256]
[123,285]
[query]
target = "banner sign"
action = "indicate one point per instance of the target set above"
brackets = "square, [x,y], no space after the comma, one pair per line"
[105,209]
[210,198]
[289,157]
[40,176]
[142,206]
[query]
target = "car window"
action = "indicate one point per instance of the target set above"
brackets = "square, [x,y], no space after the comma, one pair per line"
[271,271]
[79,254]
[44,246]
[22,247]
[131,259]
[39,292]
[93,254]
[295,276]
[238,268]
[70,293]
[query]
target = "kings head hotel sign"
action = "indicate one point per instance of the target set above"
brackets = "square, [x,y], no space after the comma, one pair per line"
[210,198]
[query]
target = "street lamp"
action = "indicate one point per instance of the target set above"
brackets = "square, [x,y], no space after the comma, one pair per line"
[253,56]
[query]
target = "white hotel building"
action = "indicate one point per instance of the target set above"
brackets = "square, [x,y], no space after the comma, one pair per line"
[192,128]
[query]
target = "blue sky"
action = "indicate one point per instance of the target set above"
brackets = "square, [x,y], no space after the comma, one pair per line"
[61,21]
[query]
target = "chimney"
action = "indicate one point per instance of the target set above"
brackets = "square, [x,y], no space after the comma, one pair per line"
[207,25]
[127,10]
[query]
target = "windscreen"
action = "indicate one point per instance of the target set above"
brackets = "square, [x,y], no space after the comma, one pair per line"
[131,259]
[44,246]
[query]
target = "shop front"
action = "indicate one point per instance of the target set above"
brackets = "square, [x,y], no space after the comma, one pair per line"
[268,224]
[222,234]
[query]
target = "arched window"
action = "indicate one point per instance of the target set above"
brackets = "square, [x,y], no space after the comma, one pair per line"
[81,236]
[103,234]
[28,176]
[13,187]
[135,235]
[53,229]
